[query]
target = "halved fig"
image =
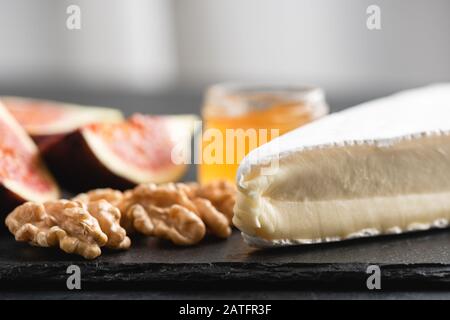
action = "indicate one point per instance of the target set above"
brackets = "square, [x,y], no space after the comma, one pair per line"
[122,155]
[48,121]
[23,175]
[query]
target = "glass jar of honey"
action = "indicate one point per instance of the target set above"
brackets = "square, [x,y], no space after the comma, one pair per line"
[240,117]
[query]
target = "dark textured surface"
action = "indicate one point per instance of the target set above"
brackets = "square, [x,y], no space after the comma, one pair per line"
[420,259]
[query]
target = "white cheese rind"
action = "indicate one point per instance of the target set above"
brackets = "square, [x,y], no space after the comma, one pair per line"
[379,168]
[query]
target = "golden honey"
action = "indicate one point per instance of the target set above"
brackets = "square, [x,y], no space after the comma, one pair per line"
[239,118]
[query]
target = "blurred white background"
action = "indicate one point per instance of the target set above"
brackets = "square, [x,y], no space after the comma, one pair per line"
[151,46]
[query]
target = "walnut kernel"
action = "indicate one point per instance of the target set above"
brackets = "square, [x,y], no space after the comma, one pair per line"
[62,223]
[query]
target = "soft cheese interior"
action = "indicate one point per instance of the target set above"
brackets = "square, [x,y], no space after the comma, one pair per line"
[379,168]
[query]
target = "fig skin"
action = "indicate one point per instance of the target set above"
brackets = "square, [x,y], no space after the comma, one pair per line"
[46,141]
[76,167]
[9,201]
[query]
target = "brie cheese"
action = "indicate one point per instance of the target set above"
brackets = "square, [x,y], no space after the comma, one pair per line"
[382,167]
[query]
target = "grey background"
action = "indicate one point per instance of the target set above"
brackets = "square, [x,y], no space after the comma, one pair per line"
[157,56]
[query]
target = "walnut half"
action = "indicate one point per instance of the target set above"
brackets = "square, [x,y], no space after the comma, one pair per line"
[162,211]
[175,212]
[214,203]
[108,217]
[222,195]
[114,197]
[63,223]
[103,205]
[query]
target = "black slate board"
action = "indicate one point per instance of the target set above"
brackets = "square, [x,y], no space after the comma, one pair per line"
[414,260]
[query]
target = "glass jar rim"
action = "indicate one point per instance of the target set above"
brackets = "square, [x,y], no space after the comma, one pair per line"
[281,89]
